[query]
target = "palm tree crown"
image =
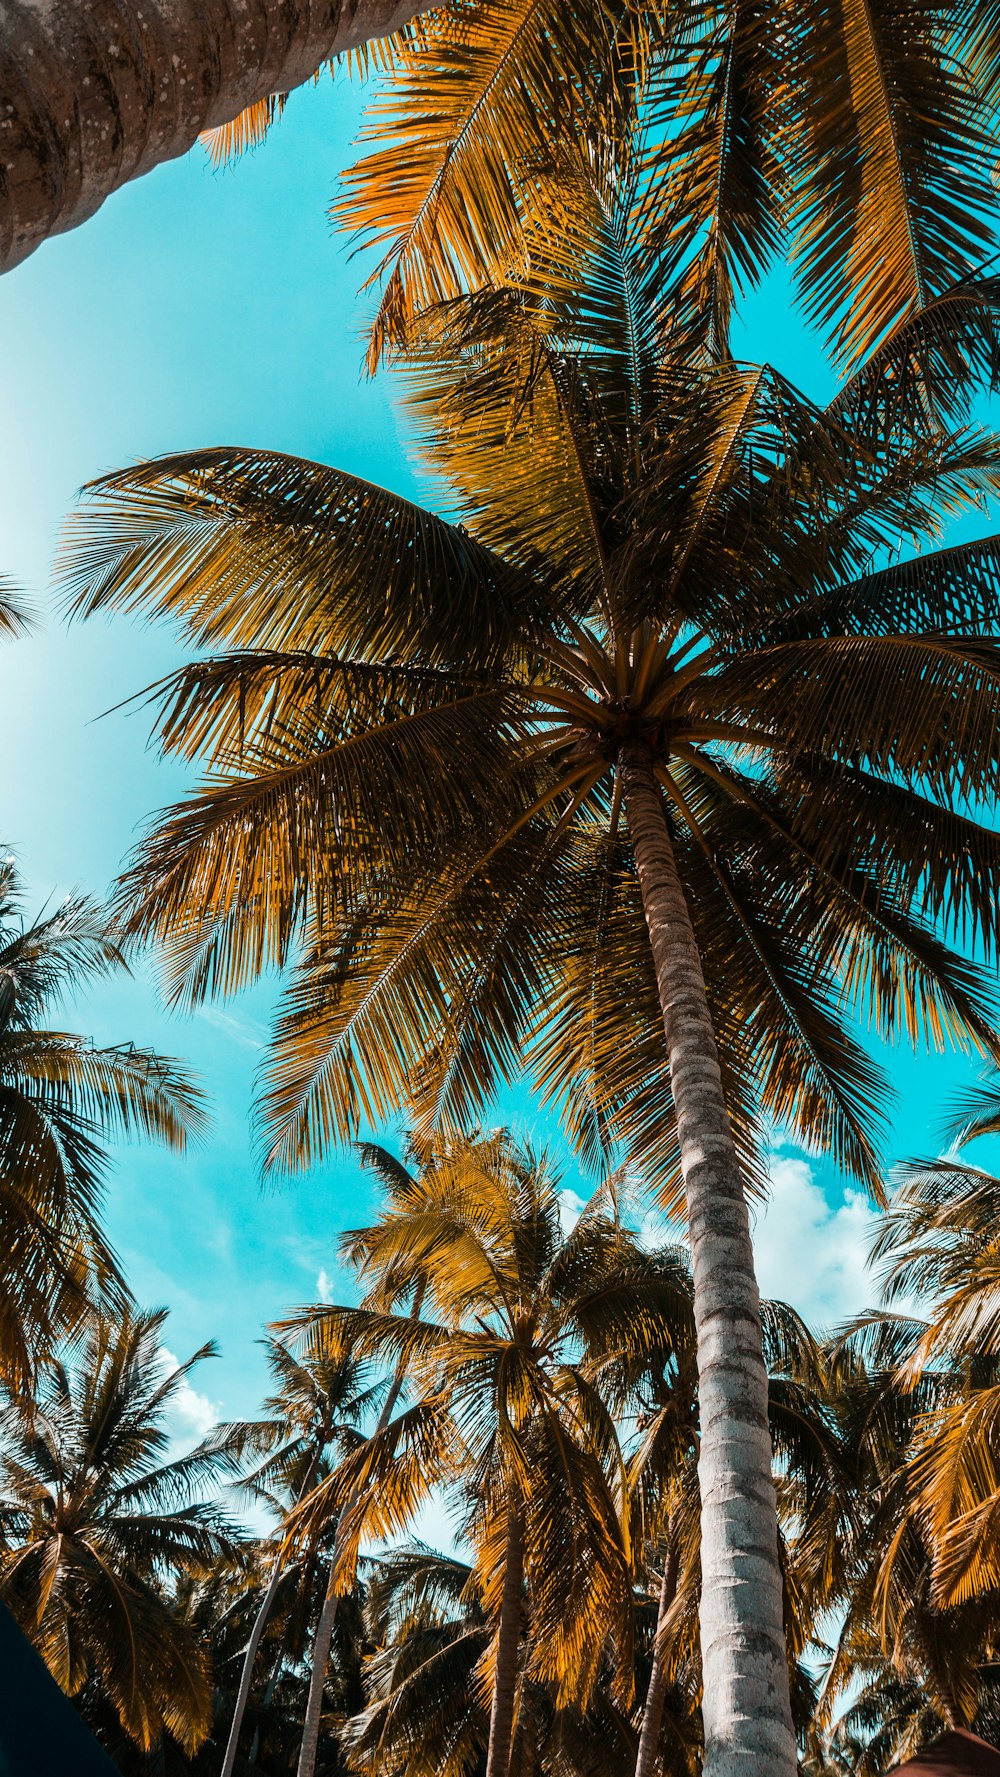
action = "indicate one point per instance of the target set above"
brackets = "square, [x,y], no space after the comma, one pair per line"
[661,741]
[61,1098]
[97,1515]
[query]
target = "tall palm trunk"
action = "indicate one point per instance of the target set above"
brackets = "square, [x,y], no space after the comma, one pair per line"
[95,92]
[656,1692]
[508,1642]
[260,1623]
[328,1615]
[746,1709]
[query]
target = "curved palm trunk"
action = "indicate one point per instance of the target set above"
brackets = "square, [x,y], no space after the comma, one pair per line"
[656,1693]
[746,1709]
[95,92]
[261,1621]
[328,1615]
[508,1643]
[249,1659]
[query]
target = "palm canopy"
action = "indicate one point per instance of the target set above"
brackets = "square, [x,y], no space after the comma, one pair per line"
[855,140]
[96,1515]
[940,1247]
[414,728]
[504,1409]
[312,1416]
[61,1099]
[906,1660]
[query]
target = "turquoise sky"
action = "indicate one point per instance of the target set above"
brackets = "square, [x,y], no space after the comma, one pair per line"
[203,307]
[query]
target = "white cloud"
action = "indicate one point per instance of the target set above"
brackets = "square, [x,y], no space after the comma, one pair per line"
[571,1208]
[324,1287]
[811,1251]
[192,1414]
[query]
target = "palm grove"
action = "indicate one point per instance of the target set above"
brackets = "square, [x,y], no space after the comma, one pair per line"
[652,770]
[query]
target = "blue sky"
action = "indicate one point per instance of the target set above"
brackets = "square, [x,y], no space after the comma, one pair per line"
[203,307]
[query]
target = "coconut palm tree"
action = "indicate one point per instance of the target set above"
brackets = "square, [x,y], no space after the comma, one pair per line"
[311,1416]
[92,96]
[96,1515]
[505,1415]
[395,1273]
[858,145]
[659,741]
[906,1666]
[424,1709]
[61,1099]
[939,1246]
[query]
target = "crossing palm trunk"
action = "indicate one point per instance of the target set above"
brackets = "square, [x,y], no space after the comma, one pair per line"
[652,1714]
[261,1621]
[328,1615]
[246,1676]
[508,1644]
[95,92]
[746,1708]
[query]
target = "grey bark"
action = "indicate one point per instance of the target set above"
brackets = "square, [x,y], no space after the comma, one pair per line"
[656,1691]
[95,92]
[261,1621]
[746,1708]
[328,1615]
[249,1658]
[508,1643]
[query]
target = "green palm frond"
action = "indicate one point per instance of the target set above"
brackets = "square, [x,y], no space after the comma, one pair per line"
[16,616]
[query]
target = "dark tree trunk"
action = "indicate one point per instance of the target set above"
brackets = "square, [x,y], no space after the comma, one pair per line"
[508,1646]
[95,92]
[656,1692]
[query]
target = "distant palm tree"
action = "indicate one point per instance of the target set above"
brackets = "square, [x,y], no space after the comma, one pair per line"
[96,95]
[424,1705]
[61,1099]
[96,1516]
[313,1414]
[646,773]
[504,1411]
[905,1664]
[939,1246]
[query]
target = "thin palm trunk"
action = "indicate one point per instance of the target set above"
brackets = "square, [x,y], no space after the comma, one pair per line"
[265,1701]
[508,1644]
[328,1615]
[746,1708]
[261,1621]
[95,92]
[656,1692]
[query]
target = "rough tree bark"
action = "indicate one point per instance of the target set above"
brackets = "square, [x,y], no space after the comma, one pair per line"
[656,1691]
[746,1709]
[95,92]
[508,1643]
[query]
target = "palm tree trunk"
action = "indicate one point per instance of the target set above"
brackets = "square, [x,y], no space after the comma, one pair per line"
[508,1644]
[95,92]
[261,1621]
[249,1658]
[328,1615]
[746,1708]
[652,1715]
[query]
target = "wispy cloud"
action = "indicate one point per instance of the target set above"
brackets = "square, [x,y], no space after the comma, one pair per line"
[242,1031]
